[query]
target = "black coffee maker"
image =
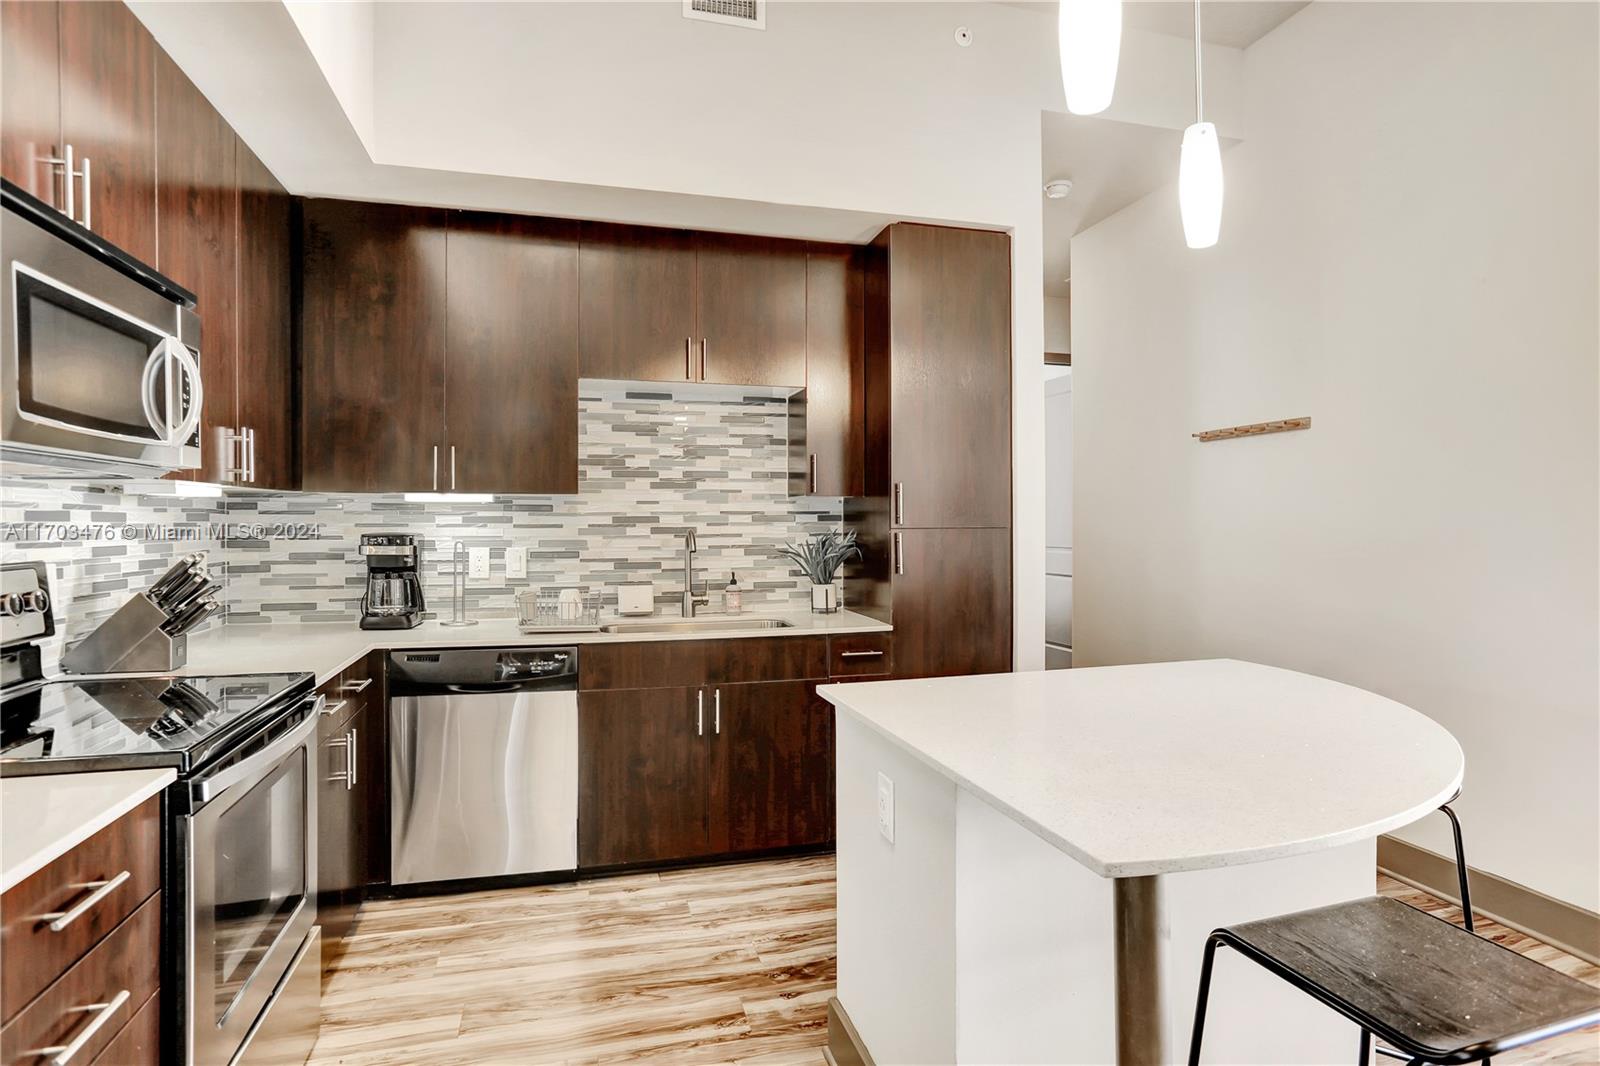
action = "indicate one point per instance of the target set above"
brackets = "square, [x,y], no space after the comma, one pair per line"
[393,599]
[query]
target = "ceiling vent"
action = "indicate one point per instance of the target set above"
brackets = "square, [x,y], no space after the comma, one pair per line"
[751,14]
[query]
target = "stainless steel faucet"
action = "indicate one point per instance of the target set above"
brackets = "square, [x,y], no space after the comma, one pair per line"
[690,600]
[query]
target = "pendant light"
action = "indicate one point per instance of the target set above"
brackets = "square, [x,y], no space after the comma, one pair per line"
[1200,167]
[1090,34]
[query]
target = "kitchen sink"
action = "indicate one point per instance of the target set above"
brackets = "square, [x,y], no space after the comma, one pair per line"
[695,625]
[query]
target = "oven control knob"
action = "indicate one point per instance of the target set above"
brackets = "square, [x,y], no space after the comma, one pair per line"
[36,601]
[11,604]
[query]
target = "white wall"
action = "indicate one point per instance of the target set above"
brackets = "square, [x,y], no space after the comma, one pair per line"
[1057,324]
[340,37]
[1409,256]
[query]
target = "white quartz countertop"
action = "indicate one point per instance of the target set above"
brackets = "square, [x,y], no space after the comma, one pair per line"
[1166,767]
[325,648]
[43,818]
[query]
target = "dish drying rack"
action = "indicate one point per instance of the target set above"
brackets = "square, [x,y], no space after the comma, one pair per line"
[559,609]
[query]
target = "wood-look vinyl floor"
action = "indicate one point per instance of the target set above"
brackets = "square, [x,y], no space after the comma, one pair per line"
[722,964]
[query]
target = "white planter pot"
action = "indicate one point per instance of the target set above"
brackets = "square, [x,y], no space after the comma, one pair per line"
[825,598]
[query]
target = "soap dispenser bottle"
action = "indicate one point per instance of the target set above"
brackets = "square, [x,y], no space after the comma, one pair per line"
[733,596]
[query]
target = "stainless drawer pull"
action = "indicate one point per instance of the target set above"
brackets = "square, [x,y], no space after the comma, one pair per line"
[350,757]
[899,503]
[59,920]
[333,708]
[861,655]
[356,686]
[899,554]
[62,1054]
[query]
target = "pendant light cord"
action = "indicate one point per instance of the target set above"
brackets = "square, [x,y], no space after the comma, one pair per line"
[1199,98]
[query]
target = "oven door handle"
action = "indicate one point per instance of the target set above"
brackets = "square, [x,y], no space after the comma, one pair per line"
[207,789]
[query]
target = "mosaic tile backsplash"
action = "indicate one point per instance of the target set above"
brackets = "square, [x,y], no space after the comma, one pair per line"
[650,464]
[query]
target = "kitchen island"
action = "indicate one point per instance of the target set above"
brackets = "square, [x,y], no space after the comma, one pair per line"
[1029,863]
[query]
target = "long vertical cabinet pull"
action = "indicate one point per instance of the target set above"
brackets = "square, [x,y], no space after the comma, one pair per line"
[899,503]
[716,711]
[88,194]
[452,468]
[435,468]
[702,358]
[84,171]
[813,484]
[700,713]
[688,358]
[899,554]
[350,760]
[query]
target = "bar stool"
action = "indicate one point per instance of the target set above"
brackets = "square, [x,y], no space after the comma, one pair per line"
[1431,991]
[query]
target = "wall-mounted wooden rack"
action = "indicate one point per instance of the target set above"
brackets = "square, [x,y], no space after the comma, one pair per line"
[1254,429]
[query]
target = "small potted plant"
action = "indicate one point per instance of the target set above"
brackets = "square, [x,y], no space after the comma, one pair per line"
[820,557]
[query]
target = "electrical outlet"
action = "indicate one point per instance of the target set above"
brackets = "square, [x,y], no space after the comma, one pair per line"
[478,563]
[517,562]
[886,806]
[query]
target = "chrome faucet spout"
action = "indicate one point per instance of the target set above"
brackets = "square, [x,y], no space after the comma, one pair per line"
[690,600]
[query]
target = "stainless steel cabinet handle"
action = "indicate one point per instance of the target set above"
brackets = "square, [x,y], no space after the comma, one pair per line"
[333,708]
[452,468]
[250,456]
[62,1054]
[899,503]
[59,920]
[813,471]
[350,760]
[88,193]
[700,713]
[235,469]
[702,358]
[688,358]
[716,712]
[861,655]
[435,468]
[356,686]
[341,742]
[899,555]
[64,161]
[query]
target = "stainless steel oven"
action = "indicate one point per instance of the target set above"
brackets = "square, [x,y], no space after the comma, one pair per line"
[248,835]
[100,355]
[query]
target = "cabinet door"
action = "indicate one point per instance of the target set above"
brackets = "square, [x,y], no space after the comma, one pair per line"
[952,602]
[750,310]
[30,96]
[266,360]
[369,796]
[108,115]
[834,385]
[511,377]
[372,347]
[199,236]
[950,375]
[338,843]
[774,787]
[636,292]
[644,776]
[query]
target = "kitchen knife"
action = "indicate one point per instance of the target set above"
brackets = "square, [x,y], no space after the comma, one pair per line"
[174,574]
[188,618]
[181,594]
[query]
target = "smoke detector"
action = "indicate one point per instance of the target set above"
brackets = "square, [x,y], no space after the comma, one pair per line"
[1057,189]
[751,14]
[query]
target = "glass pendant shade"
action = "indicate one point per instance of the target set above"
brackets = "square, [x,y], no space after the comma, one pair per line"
[1091,41]
[1200,185]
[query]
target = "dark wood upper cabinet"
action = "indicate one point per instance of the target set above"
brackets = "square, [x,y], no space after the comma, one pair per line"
[952,602]
[511,378]
[199,239]
[372,347]
[949,375]
[266,358]
[636,310]
[30,96]
[750,310]
[645,769]
[834,413]
[108,115]
[775,781]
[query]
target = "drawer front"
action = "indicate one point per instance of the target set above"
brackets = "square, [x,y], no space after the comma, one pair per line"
[77,888]
[94,1000]
[679,663]
[139,1043]
[858,654]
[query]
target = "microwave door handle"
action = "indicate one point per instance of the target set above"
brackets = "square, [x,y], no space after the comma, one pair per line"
[147,390]
[186,363]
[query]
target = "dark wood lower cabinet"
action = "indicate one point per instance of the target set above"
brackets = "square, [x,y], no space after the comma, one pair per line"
[775,747]
[952,601]
[645,769]
[352,831]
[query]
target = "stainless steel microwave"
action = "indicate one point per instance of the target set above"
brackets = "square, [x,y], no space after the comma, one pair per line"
[100,354]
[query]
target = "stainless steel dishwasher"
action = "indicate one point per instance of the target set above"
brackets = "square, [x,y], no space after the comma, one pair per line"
[483,762]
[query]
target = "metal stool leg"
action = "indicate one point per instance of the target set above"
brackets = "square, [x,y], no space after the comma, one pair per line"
[1200,1003]
[1365,1055]
[1461,866]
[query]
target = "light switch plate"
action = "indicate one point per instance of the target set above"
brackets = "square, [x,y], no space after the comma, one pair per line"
[516,562]
[478,563]
[886,806]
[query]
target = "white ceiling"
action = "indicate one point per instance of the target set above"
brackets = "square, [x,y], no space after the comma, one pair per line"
[1236,23]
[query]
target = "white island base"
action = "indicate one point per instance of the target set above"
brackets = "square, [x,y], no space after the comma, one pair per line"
[985,932]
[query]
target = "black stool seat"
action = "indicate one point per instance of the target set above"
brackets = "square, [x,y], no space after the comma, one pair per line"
[1430,989]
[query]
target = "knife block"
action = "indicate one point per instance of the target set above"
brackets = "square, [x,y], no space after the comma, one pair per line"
[130,641]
